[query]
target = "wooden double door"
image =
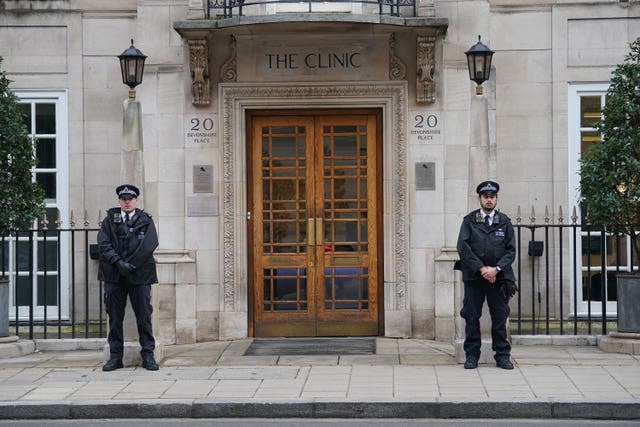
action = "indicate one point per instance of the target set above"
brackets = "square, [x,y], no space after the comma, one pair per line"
[314,223]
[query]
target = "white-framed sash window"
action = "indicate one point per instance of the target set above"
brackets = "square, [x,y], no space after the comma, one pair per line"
[37,263]
[585,104]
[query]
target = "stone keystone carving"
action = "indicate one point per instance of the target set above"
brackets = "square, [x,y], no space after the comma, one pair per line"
[199,65]
[425,83]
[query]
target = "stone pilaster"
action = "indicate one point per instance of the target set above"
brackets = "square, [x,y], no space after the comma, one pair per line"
[176,310]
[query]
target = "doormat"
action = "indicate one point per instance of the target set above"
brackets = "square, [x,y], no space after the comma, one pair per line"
[310,346]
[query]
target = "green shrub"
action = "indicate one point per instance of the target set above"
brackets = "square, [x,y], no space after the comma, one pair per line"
[21,199]
[610,169]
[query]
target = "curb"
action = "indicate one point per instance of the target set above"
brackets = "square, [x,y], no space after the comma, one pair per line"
[16,348]
[216,408]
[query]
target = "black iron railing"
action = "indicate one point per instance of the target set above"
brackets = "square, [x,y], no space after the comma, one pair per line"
[566,272]
[229,8]
[54,291]
[567,276]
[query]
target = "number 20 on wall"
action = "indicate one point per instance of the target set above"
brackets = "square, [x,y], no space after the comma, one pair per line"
[201,124]
[429,121]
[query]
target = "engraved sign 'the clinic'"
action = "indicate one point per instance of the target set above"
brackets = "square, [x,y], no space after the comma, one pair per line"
[340,62]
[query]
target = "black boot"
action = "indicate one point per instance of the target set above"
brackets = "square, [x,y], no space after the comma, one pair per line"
[112,365]
[471,362]
[149,363]
[504,362]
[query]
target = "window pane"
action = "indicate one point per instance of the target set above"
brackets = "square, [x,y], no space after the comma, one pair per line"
[617,250]
[23,291]
[587,139]
[51,296]
[46,153]
[589,110]
[25,109]
[592,286]
[345,146]
[47,181]
[285,289]
[48,256]
[5,257]
[24,254]
[46,118]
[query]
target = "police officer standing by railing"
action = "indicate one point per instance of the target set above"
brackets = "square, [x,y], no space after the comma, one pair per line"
[487,248]
[127,240]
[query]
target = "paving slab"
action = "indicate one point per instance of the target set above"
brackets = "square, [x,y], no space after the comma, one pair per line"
[405,378]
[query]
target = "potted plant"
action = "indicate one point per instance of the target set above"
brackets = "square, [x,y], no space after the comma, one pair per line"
[21,199]
[610,176]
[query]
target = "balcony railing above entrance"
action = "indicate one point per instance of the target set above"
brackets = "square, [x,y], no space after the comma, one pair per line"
[228,8]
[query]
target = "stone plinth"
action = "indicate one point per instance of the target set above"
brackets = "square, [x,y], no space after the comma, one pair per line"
[620,342]
[177,311]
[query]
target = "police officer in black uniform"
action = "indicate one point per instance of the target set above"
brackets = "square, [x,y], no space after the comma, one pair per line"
[127,240]
[487,248]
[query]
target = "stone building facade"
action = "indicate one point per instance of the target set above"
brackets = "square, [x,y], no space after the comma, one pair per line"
[352,232]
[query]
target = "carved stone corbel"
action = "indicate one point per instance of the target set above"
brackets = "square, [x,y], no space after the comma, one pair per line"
[425,83]
[199,65]
[397,70]
[229,73]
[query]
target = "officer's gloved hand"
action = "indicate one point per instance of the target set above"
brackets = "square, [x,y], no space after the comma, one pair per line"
[509,288]
[125,268]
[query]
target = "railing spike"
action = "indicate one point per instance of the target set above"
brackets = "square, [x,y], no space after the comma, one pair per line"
[44,222]
[533,215]
[72,220]
[518,215]
[574,217]
[58,219]
[546,214]
[99,218]
[560,217]
[86,218]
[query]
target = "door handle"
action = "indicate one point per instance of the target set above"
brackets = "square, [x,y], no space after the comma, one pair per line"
[311,231]
[319,232]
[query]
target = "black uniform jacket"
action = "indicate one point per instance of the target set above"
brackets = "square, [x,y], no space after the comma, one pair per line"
[493,246]
[133,243]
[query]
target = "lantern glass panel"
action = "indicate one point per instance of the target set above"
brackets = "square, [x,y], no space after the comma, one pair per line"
[471,65]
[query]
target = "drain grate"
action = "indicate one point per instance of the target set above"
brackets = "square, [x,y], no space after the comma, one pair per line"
[311,346]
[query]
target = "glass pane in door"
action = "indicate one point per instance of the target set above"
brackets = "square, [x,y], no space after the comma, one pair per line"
[345,188]
[285,289]
[283,189]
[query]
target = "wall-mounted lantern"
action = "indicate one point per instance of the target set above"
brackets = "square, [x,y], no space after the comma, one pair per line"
[479,63]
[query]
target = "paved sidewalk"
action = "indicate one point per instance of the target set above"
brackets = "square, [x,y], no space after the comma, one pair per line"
[405,378]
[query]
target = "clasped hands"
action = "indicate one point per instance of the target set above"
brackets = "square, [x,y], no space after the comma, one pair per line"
[489,274]
[124,267]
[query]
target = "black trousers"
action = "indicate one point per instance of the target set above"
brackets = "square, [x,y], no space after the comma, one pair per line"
[115,301]
[475,292]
